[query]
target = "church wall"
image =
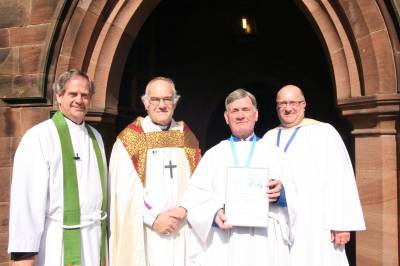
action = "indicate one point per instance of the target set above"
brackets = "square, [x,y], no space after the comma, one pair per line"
[13,124]
[378,190]
[24,36]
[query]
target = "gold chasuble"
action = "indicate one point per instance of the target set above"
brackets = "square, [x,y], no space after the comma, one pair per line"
[137,142]
[132,241]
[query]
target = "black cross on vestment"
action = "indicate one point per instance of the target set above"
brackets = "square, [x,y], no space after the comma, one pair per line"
[170,166]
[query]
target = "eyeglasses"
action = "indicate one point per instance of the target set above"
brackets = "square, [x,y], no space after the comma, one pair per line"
[290,103]
[157,101]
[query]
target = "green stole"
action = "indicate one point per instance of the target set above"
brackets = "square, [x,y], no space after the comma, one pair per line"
[72,237]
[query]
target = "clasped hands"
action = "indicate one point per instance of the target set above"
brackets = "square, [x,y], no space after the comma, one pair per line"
[273,192]
[167,222]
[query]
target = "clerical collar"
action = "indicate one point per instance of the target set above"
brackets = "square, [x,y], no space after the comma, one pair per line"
[165,128]
[249,138]
[157,127]
[69,121]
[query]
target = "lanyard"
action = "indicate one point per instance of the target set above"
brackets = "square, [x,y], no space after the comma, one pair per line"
[234,153]
[278,138]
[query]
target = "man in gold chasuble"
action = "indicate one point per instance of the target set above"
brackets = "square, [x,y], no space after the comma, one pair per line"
[150,167]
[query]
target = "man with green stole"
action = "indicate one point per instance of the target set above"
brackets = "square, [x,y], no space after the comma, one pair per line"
[150,166]
[58,191]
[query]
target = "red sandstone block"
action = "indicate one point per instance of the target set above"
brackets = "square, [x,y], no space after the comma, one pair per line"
[3,249]
[5,85]
[4,214]
[29,59]
[14,13]
[5,159]
[31,116]
[42,11]
[8,61]
[5,183]
[27,86]
[28,35]
[10,122]
[4,38]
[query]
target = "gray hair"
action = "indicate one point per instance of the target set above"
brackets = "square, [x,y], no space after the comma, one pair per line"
[240,94]
[145,97]
[59,83]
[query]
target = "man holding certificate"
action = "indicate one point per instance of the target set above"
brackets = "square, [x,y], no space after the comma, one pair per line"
[240,200]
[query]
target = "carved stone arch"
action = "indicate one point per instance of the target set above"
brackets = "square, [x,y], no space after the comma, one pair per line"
[354,34]
[358,45]
[342,58]
[97,39]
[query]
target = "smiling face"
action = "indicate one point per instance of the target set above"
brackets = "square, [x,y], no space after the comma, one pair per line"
[241,116]
[290,106]
[74,100]
[160,102]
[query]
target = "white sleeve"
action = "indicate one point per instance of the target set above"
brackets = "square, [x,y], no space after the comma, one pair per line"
[343,208]
[29,190]
[200,200]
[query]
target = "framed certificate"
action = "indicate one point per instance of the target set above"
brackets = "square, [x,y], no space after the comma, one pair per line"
[246,201]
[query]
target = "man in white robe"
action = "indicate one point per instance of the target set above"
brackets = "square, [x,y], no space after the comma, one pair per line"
[328,202]
[37,190]
[215,241]
[150,166]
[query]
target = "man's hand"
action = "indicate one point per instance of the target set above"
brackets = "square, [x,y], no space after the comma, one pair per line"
[26,262]
[340,238]
[178,213]
[167,222]
[220,220]
[274,190]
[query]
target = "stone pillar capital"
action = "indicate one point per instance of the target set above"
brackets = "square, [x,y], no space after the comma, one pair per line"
[372,115]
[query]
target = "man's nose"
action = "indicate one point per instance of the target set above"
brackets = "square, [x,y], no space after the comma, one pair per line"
[288,107]
[79,98]
[162,104]
[240,115]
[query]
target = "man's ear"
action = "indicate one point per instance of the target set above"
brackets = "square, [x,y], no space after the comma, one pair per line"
[58,98]
[226,117]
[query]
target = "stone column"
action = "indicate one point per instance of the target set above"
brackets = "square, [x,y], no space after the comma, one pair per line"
[375,121]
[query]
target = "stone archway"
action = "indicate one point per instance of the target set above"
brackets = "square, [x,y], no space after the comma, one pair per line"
[362,46]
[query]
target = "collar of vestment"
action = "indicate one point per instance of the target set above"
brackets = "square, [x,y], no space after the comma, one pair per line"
[249,138]
[74,125]
[136,142]
[304,122]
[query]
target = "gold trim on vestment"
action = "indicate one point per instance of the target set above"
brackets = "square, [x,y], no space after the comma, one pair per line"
[304,122]
[164,139]
[137,142]
[191,155]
